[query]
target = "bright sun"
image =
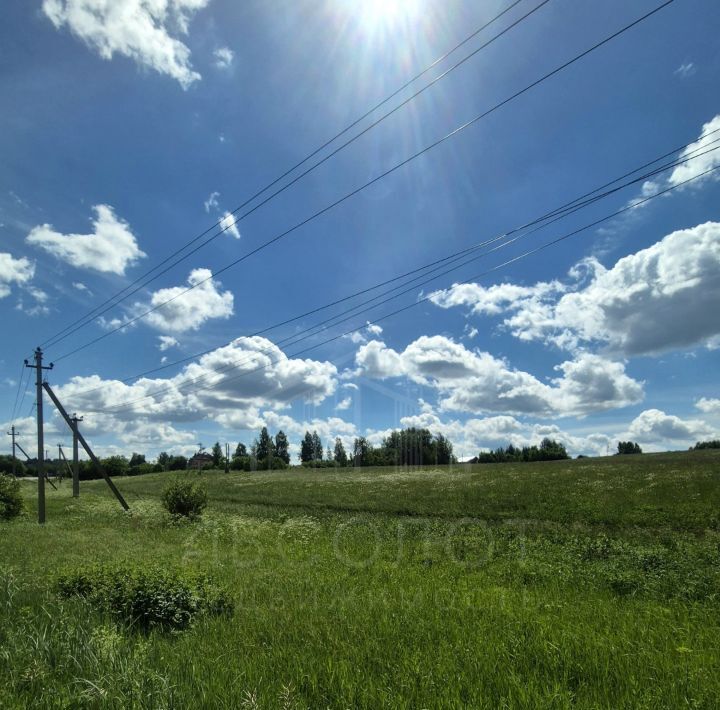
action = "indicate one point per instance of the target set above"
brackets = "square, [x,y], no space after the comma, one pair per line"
[387,13]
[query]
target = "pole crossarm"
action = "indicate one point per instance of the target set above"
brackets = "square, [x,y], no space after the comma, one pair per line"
[84,444]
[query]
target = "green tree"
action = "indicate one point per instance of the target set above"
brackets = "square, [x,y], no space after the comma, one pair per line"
[341,458]
[137,459]
[551,450]
[281,446]
[629,447]
[6,465]
[264,446]
[240,450]
[177,463]
[711,444]
[361,452]
[163,459]
[443,451]
[115,465]
[306,448]
[217,454]
[317,447]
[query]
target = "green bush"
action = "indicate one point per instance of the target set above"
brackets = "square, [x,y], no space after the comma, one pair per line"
[238,463]
[6,465]
[184,498]
[146,598]
[141,469]
[11,502]
[322,463]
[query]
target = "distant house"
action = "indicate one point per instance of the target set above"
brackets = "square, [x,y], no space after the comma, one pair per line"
[200,460]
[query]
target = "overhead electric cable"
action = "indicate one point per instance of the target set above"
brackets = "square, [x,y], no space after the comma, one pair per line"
[379,177]
[25,389]
[17,393]
[553,215]
[117,299]
[123,406]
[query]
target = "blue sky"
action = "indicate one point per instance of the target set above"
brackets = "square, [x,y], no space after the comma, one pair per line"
[130,126]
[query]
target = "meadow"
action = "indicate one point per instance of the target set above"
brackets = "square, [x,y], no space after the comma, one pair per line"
[591,583]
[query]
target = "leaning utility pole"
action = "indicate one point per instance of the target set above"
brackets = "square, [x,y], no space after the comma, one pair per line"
[85,445]
[13,432]
[62,458]
[76,462]
[38,367]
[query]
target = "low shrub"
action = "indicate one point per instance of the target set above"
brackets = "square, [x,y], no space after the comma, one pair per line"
[11,501]
[146,598]
[320,464]
[141,469]
[7,465]
[184,498]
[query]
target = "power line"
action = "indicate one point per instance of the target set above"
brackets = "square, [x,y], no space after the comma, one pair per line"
[553,215]
[17,393]
[224,381]
[116,300]
[126,406]
[379,177]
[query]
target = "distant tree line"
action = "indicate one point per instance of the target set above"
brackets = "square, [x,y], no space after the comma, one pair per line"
[713,444]
[549,450]
[407,447]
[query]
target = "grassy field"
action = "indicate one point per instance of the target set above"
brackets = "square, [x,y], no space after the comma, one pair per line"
[592,583]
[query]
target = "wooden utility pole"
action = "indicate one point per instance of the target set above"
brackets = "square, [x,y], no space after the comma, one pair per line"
[13,433]
[38,367]
[227,457]
[76,462]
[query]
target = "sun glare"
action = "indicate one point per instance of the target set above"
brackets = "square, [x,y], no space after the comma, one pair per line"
[377,14]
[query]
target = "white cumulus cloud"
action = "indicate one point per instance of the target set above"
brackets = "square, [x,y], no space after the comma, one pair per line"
[707,157]
[188,311]
[141,30]
[165,342]
[708,405]
[14,271]
[473,435]
[654,425]
[230,386]
[343,404]
[478,382]
[110,248]
[658,299]
[229,224]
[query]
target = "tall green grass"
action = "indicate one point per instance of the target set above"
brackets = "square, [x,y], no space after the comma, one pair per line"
[566,584]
